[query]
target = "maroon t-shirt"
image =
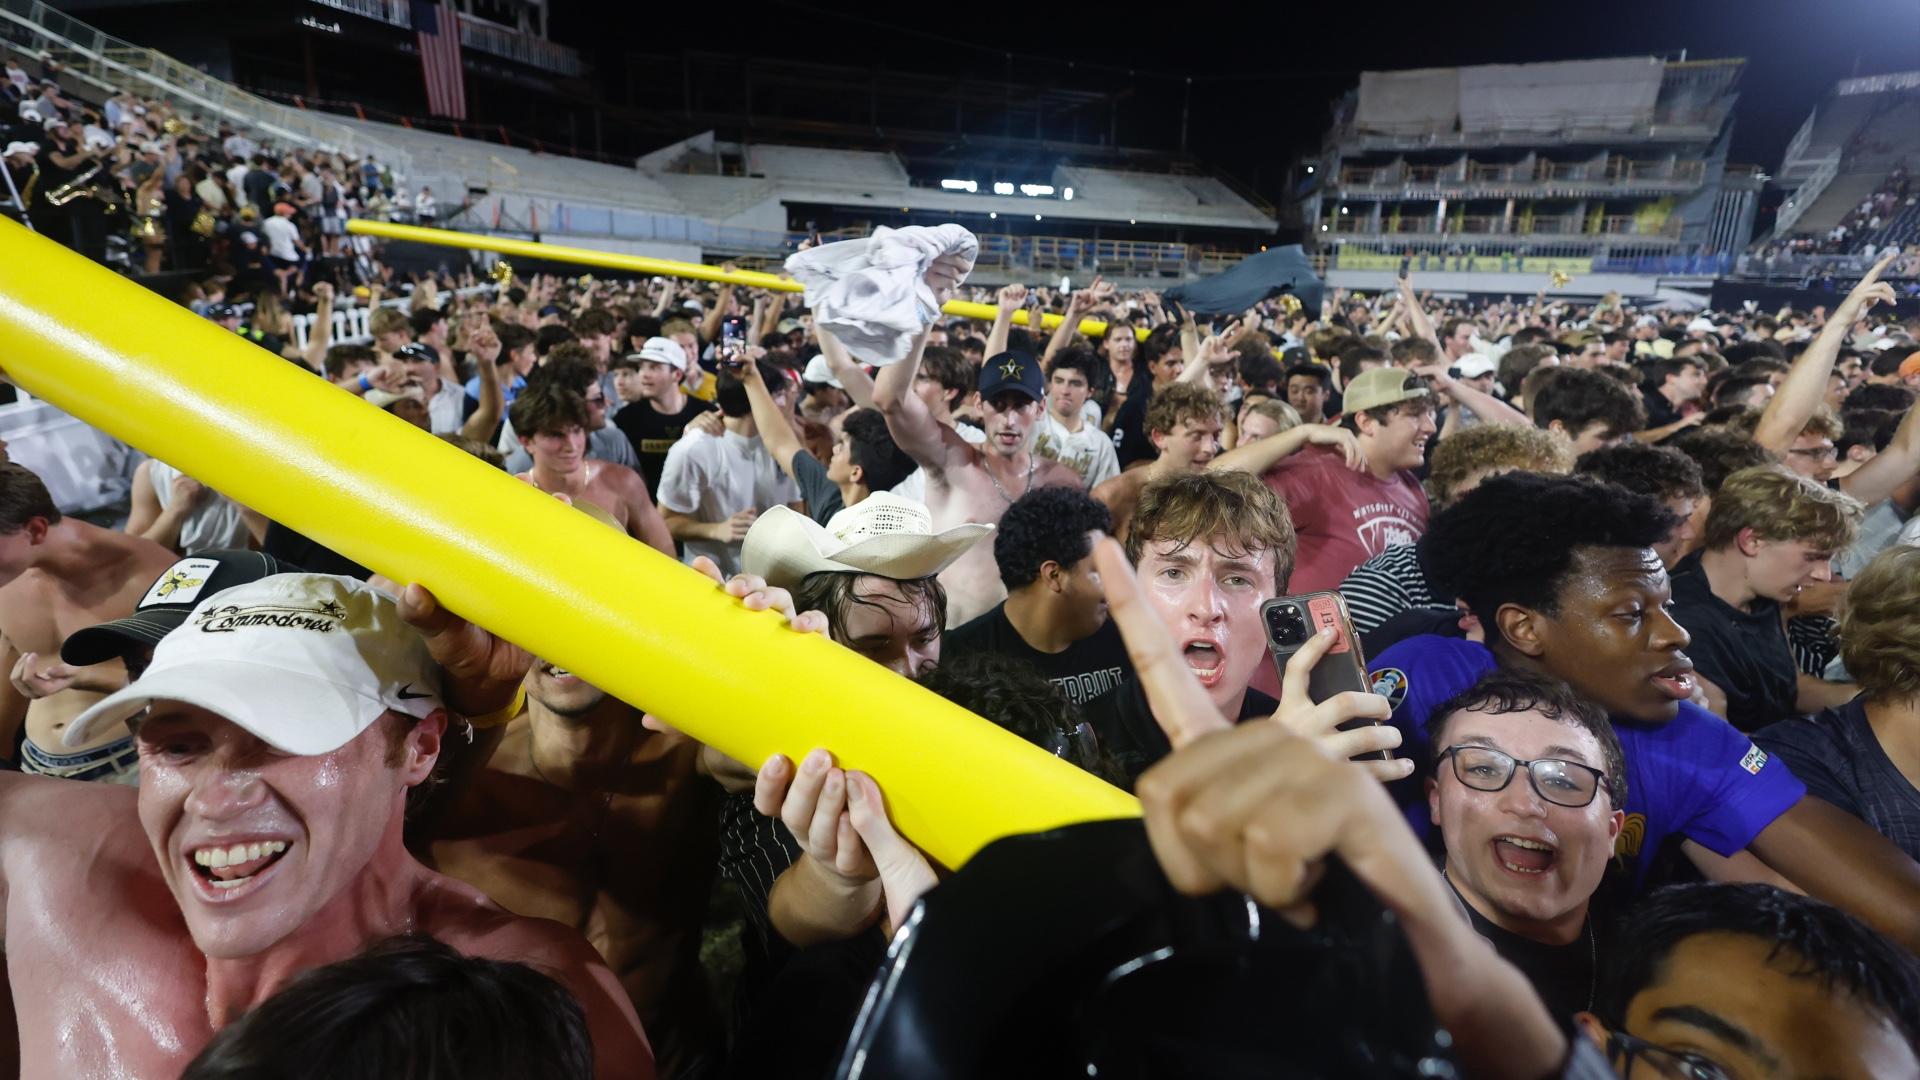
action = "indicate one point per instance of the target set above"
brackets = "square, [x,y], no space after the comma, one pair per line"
[1343,518]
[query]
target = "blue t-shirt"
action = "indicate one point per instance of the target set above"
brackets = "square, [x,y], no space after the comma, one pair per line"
[1695,776]
[512,391]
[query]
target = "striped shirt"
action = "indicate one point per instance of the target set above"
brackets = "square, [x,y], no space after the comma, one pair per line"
[754,851]
[1386,585]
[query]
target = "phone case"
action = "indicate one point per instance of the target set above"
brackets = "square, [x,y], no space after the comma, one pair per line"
[1343,668]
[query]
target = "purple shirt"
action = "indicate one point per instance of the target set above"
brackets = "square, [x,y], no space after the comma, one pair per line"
[1695,776]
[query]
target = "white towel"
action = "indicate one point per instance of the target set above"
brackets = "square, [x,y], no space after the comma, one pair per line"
[877,293]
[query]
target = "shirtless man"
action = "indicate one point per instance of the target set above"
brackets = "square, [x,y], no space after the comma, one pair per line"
[59,575]
[967,483]
[586,818]
[551,422]
[264,839]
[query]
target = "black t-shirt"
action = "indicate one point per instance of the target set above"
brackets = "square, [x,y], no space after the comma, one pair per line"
[1660,412]
[1086,671]
[1132,737]
[653,433]
[1563,975]
[1744,653]
[1130,442]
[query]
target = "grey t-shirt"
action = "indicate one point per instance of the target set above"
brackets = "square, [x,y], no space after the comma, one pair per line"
[822,495]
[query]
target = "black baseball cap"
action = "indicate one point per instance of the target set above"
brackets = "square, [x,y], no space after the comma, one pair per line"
[1011,371]
[223,311]
[419,352]
[167,603]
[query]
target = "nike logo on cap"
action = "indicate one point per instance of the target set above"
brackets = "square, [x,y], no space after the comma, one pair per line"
[408,693]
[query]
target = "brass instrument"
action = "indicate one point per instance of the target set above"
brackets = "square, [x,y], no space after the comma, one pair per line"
[173,125]
[1559,278]
[87,185]
[502,273]
[1290,306]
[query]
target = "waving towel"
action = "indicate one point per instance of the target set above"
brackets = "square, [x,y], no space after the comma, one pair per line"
[875,294]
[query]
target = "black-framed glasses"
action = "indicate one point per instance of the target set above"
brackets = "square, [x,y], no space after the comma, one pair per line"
[1642,1060]
[1563,783]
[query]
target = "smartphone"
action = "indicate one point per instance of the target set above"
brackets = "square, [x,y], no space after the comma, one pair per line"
[813,233]
[733,340]
[1292,620]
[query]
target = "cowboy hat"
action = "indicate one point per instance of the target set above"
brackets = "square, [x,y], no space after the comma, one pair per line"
[882,534]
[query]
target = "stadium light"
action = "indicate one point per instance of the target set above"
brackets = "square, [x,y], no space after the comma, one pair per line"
[968,186]
[1036,190]
[1130,221]
[992,214]
[1067,194]
[1343,209]
[1309,170]
[1323,228]
[1001,187]
[1036,217]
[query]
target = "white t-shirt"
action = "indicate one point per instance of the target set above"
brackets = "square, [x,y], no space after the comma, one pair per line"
[283,237]
[1088,451]
[215,523]
[447,410]
[915,485]
[713,478]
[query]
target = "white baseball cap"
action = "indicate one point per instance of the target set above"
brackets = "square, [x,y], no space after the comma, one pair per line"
[664,350]
[304,661]
[882,534]
[818,372]
[1473,365]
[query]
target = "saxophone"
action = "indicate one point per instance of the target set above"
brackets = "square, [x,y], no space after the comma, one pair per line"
[87,185]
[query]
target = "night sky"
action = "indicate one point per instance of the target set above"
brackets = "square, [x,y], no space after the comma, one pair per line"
[1265,77]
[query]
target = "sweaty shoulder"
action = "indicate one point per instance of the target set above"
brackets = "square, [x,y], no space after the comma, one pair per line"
[40,819]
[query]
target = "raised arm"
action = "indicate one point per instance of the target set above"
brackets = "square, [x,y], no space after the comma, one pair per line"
[1488,408]
[1801,392]
[1838,858]
[1417,319]
[1010,299]
[320,337]
[1079,305]
[912,426]
[1880,474]
[853,378]
[486,353]
[728,298]
[775,431]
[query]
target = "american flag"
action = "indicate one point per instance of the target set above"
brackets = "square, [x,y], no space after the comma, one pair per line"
[437,26]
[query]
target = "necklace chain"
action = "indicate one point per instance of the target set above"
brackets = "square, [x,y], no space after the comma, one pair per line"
[1033,462]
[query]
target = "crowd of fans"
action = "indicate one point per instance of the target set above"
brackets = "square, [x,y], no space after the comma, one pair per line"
[134,183]
[1663,564]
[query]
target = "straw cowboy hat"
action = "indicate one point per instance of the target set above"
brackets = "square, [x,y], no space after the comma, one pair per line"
[882,534]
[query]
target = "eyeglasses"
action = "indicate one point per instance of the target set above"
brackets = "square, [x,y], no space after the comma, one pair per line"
[1563,783]
[1658,1062]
